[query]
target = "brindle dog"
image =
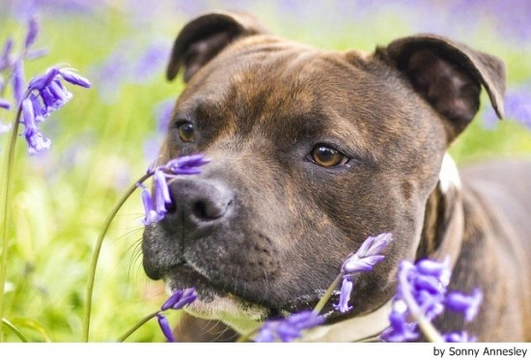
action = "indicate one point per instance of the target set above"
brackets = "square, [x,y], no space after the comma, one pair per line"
[313,151]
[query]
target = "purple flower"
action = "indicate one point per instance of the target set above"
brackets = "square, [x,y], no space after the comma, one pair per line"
[165,327]
[517,107]
[151,216]
[179,299]
[5,55]
[162,193]
[45,94]
[290,328]
[176,301]
[422,288]
[185,165]
[344,296]
[362,260]
[400,330]
[368,254]
[163,113]
[36,142]
[468,305]
[151,62]
[37,53]
[73,78]
[18,81]
[425,291]
[4,104]
[462,336]
[33,31]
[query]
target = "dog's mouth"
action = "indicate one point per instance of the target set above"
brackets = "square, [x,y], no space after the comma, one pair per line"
[214,301]
[217,302]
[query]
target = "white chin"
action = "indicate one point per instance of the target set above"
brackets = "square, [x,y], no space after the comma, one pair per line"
[238,314]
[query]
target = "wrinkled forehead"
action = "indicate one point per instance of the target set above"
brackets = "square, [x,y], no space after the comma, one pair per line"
[275,86]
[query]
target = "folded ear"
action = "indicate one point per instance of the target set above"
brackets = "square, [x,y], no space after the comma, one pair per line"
[449,76]
[204,37]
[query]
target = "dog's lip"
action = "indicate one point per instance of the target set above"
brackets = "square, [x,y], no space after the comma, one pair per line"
[191,276]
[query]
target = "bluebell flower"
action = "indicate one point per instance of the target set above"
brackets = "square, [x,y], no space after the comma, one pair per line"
[422,288]
[33,31]
[162,193]
[426,291]
[368,254]
[44,95]
[344,296]
[5,55]
[462,336]
[37,53]
[363,260]
[151,215]
[151,62]
[467,305]
[400,330]
[288,329]
[18,81]
[517,107]
[179,299]
[165,327]
[36,141]
[163,112]
[185,165]
[4,104]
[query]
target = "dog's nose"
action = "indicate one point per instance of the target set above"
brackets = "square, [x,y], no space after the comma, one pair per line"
[200,201]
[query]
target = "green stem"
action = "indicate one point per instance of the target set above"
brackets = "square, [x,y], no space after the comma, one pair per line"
[14,329]
[137,326]
[96,254]
[320,305]
[247,336]
[8,169]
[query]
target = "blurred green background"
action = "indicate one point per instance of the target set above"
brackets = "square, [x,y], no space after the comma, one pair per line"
[106,136]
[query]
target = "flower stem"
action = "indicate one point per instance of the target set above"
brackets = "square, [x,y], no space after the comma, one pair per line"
[6,197]
[14,329]
[137,326]
[320,305]
[247,336]
[96,254]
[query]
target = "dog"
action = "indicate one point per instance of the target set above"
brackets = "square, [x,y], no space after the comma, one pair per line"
[313,151]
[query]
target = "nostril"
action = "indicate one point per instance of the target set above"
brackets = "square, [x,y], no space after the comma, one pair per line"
[208,209]
[199,210]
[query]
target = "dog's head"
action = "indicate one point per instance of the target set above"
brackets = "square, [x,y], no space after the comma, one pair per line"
[312,151]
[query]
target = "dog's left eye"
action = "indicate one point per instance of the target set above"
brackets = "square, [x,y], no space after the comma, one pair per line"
[327,156]
[186,131]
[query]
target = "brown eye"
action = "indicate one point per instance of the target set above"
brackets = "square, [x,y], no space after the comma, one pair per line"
[326,156]
[186,131]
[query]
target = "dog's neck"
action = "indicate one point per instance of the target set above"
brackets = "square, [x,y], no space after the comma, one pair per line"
[352,330]
[444,219]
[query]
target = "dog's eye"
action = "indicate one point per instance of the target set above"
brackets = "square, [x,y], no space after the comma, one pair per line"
[186,131]
[326,156]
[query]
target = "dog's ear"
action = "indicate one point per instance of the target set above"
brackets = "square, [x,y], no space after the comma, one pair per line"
[449,76]
[204,37]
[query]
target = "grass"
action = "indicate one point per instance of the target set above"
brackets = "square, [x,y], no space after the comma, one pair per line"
[61,198]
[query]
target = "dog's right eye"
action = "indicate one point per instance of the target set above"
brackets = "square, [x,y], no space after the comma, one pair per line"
[186,131]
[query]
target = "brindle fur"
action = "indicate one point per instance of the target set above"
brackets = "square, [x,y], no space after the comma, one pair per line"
[259,105]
